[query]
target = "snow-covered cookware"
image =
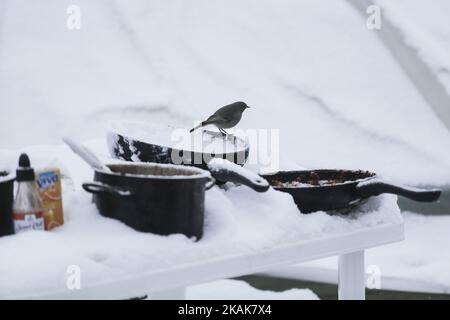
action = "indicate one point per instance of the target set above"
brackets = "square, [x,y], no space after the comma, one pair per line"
[6,202]
[339,190]
[159,198]
[135,141]
[156,198]
[233,152]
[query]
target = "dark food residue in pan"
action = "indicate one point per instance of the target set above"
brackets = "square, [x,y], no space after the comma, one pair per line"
[316,179]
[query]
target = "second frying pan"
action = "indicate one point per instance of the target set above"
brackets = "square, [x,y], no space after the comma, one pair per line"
[339,190]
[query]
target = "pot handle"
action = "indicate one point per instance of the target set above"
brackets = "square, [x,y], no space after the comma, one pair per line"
[211,183]
[101,188]
[377,187]
[227,171]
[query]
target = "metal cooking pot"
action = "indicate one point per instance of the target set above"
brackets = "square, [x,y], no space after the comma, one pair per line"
[162,199]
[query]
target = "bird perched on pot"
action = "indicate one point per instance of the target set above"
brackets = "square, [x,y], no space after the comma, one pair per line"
[226,117]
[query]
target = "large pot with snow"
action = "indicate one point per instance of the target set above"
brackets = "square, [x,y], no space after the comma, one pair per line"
[161,199]
[6,203]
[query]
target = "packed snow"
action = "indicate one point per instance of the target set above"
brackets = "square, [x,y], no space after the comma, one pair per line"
[218,164]
[240,290]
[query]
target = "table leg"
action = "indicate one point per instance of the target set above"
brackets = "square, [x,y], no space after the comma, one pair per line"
[170,294]
[352,276]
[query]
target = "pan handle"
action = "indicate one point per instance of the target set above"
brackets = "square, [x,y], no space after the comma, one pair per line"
[376,187]
[211,183]
[224,171]
[102,188]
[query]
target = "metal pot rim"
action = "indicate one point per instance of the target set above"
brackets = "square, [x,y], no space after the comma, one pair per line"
[197,173]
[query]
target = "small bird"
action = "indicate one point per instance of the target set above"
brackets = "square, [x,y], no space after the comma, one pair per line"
[226,117]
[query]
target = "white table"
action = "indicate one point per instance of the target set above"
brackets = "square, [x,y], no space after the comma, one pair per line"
[170,283]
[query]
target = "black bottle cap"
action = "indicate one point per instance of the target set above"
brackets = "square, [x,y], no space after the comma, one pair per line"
[24,172]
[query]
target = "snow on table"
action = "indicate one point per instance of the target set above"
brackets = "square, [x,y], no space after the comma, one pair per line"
[238,221]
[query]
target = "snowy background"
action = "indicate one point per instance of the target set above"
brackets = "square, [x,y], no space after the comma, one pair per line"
[311,69]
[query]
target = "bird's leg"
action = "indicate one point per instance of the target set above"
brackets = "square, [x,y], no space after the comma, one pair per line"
[224,133]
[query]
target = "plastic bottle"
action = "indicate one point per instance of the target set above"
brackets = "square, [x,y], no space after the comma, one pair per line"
[27,207]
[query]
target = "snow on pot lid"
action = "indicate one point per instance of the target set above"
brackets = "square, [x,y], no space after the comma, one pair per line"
[6,175]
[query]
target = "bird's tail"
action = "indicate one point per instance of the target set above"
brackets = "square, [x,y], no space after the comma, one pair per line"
[199,126]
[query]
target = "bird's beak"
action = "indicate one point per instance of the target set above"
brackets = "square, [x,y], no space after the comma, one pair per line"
[247,107]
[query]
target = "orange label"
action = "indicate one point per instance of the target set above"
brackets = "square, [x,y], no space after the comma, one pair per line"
[49,183]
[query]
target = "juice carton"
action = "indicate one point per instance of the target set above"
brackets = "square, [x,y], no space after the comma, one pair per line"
[49,183]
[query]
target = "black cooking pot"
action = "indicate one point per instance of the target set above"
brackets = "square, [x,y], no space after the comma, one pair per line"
[339,190]
[162,199]
[6,203]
